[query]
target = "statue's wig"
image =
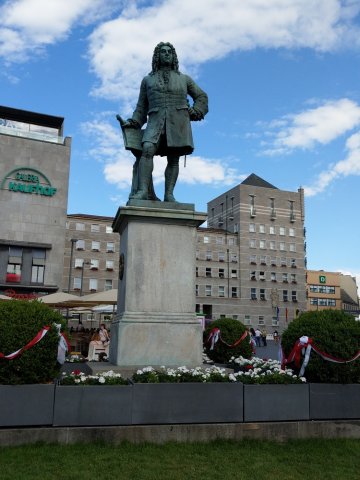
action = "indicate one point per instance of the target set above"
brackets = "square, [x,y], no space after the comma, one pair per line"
[156,57]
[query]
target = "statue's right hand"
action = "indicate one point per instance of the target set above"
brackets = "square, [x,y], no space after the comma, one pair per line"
[130,123]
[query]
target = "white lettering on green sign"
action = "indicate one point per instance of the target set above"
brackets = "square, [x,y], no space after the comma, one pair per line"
[322,279]
[28,180]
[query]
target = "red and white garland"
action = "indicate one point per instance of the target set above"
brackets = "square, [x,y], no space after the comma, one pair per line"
[215,336]
[62,347]
[303,346]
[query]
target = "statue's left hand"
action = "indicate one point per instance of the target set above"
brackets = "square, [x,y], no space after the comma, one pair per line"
[195,115]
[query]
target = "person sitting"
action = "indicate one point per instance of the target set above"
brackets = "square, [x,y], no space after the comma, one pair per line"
[104,336]
[96,344]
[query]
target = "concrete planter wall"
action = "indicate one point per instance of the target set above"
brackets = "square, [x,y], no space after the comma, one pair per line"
[333,401]
[93,405]
[271,403]
[25,405]
[165,403]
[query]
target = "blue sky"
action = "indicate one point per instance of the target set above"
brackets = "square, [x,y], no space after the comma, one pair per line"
[283,83]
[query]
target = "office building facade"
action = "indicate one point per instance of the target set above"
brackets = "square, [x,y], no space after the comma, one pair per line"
[269,226]
[34,174]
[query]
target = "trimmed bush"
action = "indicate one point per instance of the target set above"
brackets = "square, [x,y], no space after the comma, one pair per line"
[231,330]
[20,321]
[334,332]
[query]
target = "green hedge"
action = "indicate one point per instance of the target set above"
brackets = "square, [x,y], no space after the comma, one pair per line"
[20,321]
[231,330]
[335,333]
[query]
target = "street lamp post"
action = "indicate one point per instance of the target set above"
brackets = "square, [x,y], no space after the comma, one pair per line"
[73,241]
[82,276]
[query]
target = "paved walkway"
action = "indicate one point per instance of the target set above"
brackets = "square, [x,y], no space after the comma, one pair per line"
[270,351]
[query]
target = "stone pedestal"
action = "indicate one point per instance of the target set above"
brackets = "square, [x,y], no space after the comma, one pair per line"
[156,322]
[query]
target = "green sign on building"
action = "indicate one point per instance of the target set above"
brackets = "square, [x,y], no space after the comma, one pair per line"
[28,180]
[322,279]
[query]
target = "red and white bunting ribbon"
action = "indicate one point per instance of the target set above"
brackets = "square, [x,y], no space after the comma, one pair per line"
[39,336]
[303,346]
[215,336]
[63,346]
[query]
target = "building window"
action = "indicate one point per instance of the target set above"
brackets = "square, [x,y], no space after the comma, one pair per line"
[208,255]
[234,257]
[233,273]
[253,259]
[221,291]
[110,247]
[13,269]
[293,277]
[207,272]
[282,246]
[197,290]
[77,283]
[253,294]
[80,226]
[38,265]
[236,228]
[95,246]
[231,241]
[272,230]
[235,317]
[109,265]
[252,243]
[262,294]
[94,264]
[208,290]
[262,244]
[273,261]
[283,261]
[313,301]
[282,231]
[285,278]
[93,284]
[219,240]
[221,273]
[262,276]
[293,296]
[197,255]
[234,292]
[293,263]
[108,284]
[78,262]
[252,228]
[261,228]
[285,296]
[206,239]
[272,245]
[263,259]
[274,322]
[221,257]
[95,228]
[253,275]
[291,232]
[292,247]
[273,276]
[197,272]
[108,229]
[247,320]
[80,245]
[261,320]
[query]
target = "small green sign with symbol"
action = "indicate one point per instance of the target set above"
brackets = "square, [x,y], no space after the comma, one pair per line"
[322,279]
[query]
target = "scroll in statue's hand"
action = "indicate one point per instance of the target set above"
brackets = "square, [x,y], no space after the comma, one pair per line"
[129,123]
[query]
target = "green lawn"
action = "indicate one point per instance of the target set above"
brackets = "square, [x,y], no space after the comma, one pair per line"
[250,460]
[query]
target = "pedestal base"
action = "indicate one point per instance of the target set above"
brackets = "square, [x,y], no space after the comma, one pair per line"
[156,322]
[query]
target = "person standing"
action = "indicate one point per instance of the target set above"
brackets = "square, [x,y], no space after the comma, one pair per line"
[263,336]
[258,337]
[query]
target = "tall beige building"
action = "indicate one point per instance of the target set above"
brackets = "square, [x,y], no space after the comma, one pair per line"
[268,224]
[91,255]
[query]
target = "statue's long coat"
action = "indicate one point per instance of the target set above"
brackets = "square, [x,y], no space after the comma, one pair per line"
[164,107]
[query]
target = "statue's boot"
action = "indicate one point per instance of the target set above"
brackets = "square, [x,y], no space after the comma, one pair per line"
[145,173]
[171,175]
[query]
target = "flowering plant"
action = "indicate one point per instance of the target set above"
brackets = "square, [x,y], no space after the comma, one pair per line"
[181,375]
[259,371]
[105,378]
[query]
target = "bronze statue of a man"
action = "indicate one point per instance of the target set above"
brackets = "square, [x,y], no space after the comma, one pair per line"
[163,105]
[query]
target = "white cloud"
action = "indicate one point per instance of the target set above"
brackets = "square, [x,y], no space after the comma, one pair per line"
[107,147]
[349,166]
[314,126]
[27,26]
[120,49]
